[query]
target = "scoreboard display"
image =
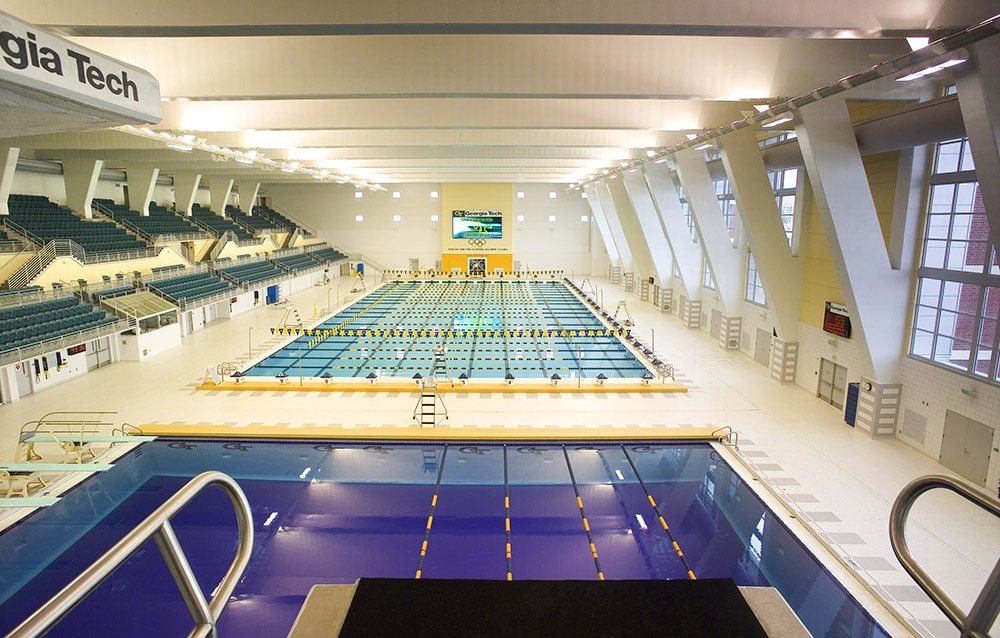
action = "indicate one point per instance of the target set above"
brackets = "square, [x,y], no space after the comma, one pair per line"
[476,224]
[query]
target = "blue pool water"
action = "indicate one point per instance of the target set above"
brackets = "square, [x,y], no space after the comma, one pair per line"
[488,329]
[333,512]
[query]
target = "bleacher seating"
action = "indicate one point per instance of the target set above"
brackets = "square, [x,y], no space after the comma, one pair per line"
[251,273]
[108,293]
[326,255]
[29,323]
[191,287]
[217,225]
[7,244]
[160,220]
[275,218]
[296,262]
[45,221]
[253,223]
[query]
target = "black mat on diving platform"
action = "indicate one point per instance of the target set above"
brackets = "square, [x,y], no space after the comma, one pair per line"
[428,607]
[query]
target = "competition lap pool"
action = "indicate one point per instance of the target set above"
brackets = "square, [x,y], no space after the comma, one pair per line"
[482,329]
[331,512]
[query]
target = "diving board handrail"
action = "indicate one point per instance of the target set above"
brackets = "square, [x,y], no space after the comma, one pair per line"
[986,608]
[205,613]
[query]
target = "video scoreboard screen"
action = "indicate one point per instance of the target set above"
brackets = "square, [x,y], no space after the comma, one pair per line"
[476,224]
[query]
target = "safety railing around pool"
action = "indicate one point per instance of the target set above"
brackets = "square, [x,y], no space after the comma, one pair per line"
[986,608]
[204,612]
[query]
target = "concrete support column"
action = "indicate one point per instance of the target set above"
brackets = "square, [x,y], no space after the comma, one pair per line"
[780,272]
[725,260]
[8,164]
[219,191]
[627,217]
[686,251]
[979,99]
[615,226]
[876,295]
[247,189]
[80,177]
[185,187]
[603,228]
[878,408]
[141,181]
[650,229]
[784,360]
[690,312]
[729,332]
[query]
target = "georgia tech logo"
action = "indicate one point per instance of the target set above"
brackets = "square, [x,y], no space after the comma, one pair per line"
[478,243]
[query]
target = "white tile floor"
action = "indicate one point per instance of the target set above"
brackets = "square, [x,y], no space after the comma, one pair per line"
[830,477]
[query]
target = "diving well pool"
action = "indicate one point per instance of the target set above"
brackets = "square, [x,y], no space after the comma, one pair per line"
[484,329]
[331,512]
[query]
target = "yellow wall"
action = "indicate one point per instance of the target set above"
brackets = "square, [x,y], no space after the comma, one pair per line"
[820,281]
[499,197]
[461,260]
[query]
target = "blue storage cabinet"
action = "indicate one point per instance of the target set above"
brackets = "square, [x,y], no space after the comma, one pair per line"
[851,405]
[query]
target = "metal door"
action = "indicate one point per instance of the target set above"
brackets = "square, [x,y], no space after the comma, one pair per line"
[762,348]
[832,383]
[966,446]
[715,325]
[839,388]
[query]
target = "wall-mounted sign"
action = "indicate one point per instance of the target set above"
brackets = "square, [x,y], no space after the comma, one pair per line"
[35,60]
[836,320]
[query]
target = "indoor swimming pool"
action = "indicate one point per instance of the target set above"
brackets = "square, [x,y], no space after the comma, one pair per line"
[331,512]
[480,329]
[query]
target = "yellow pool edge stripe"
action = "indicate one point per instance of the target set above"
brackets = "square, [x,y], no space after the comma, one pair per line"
[538,386]
[312,431]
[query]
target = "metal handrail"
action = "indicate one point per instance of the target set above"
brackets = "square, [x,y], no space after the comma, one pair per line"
[985,610]
[205,613]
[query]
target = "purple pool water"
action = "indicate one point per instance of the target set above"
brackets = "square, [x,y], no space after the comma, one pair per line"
[337,512]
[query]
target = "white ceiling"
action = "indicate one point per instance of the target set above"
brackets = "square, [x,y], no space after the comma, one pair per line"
[450,90]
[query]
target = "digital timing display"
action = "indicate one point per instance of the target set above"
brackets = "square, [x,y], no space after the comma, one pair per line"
[476,224]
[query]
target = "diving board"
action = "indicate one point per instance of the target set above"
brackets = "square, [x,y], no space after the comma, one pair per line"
[29,501]
[55,467]
[86,438]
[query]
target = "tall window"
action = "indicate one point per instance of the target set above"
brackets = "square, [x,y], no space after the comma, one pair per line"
[727,201]
[707,281]
[958,294]
[688,217]
[784,183]
[755,289]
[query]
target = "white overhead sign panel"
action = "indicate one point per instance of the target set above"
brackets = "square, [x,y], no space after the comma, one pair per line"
[32,58]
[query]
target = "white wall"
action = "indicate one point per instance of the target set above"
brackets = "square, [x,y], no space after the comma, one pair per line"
[543,245]
[330,211]
[140,347]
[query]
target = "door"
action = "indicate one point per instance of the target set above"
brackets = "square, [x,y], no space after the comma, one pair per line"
[832,383]
[715,326]
[23,378]
[477,266]
[762,348]
[966,447]
[414,264]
